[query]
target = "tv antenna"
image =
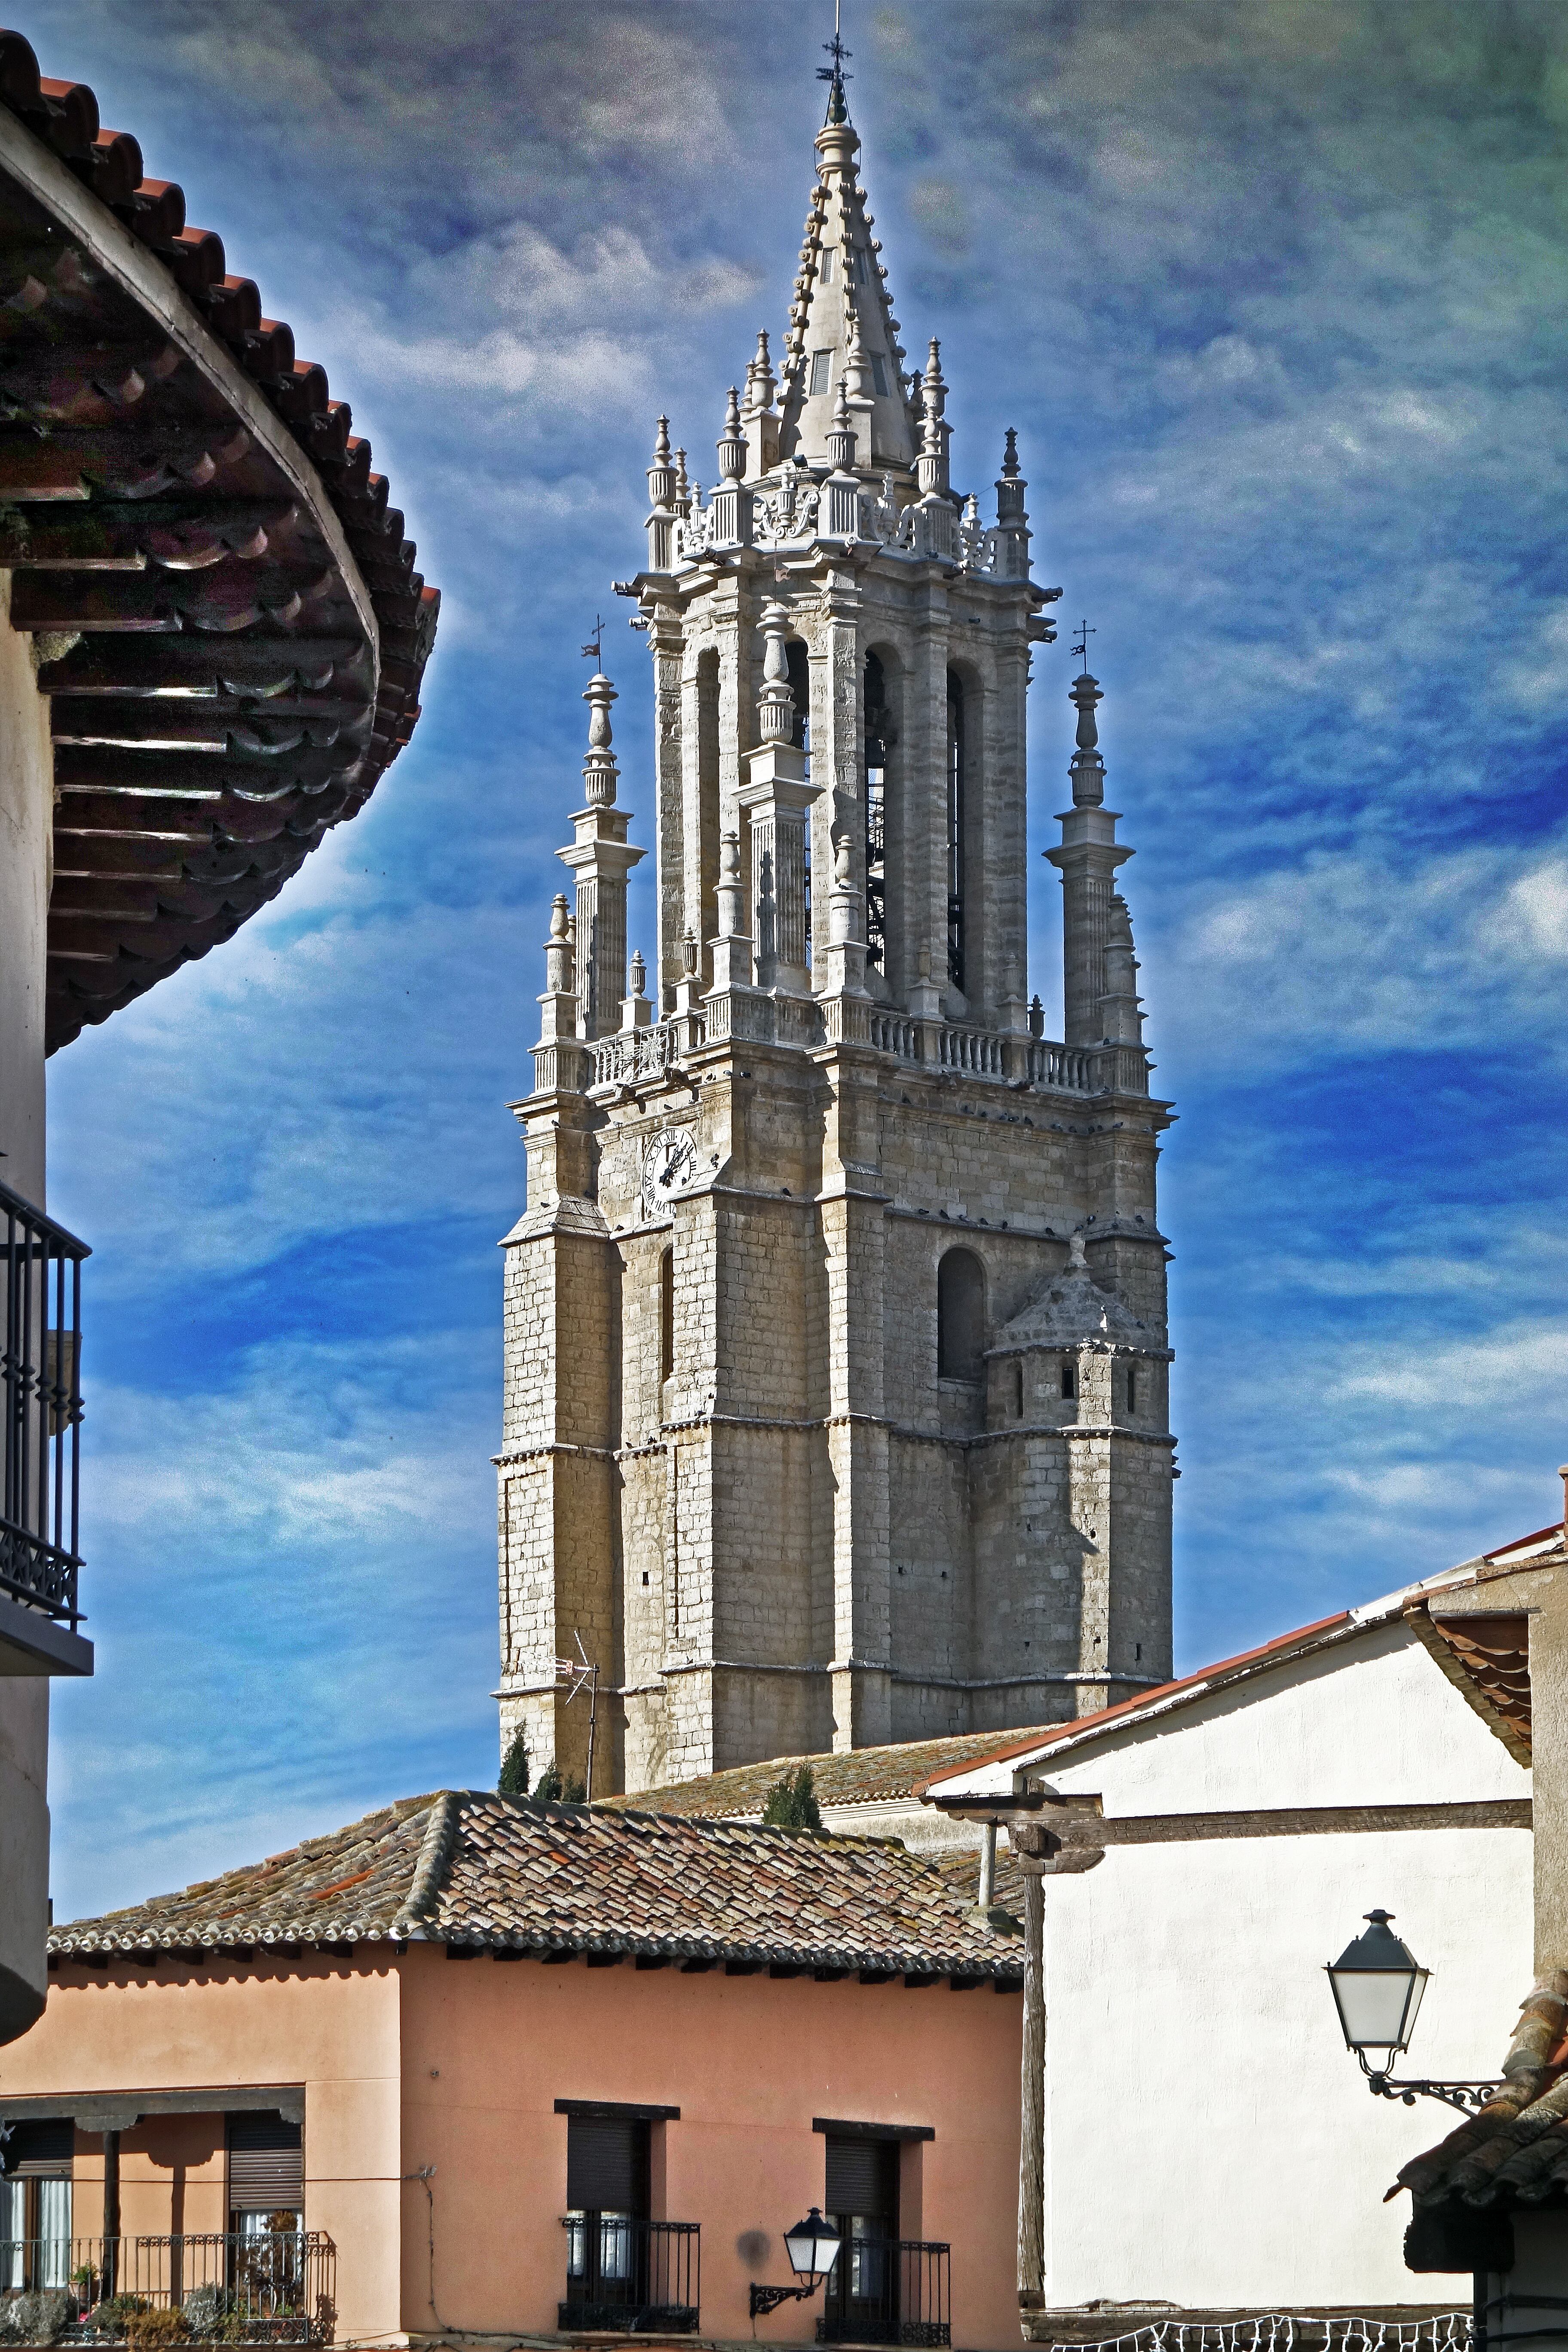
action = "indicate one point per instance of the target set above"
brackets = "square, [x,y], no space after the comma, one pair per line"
[581,1673]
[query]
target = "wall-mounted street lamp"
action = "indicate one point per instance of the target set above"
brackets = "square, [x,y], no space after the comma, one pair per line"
[813,2248]
[1377,1983]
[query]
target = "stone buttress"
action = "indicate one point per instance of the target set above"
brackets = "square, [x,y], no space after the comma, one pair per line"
[836,1342]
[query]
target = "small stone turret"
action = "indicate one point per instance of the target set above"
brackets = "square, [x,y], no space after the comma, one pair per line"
[1088,860]
[660,498]
[1120,1007]
[1012,523]
[601,859]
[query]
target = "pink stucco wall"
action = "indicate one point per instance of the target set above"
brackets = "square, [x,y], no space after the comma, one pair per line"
[418,2061]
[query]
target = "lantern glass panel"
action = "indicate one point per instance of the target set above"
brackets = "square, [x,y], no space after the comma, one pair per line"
[812,2246]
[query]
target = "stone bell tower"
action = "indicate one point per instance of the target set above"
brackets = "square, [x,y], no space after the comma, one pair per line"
[835,1350]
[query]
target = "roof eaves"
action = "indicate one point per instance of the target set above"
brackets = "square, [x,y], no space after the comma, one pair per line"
[1150,1704]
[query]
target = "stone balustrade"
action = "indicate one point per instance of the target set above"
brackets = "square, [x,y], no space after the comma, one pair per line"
[634,1054]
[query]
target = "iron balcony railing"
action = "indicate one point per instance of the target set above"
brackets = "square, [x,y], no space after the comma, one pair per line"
[40,1394]
[266,2286]
[888,2291]
[630,2275]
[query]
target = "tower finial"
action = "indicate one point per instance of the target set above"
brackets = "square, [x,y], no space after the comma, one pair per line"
[600,769]
[1080,650]
[834,74]
[1087,768]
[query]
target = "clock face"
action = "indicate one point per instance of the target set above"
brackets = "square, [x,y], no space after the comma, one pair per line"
[668,1165]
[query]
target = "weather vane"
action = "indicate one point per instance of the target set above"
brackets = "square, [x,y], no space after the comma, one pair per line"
[595,651]
[1080,649]
[835,49]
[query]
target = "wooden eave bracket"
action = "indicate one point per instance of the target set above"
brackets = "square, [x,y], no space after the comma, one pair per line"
[1418,1617]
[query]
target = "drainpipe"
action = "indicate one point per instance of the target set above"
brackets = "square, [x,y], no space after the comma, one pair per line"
[1032,2099]
[988,1896]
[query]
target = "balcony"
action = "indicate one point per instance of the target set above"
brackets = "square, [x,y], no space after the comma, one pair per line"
[629,2276]
[40,1399]
[888,2291]
[266,2286]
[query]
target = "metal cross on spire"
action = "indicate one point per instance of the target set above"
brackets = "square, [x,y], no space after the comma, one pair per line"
[835,73]
[1079,649]
[594,651]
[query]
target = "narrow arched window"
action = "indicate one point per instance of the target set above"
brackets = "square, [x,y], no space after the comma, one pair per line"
[876,709]
[1018,1388]
[1069,1378]
[666,1312]
[956,845]
[960,1316]
[1132,1388]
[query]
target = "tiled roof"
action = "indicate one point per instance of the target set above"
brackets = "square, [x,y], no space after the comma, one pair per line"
[1515,2152]
[224,606]
[467,1868]
[863,1776]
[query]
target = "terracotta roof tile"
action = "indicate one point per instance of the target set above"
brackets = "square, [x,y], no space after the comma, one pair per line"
[1515,2151]
[465,1867]
[226,611]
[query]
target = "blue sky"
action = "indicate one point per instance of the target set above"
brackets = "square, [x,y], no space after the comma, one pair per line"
[1274,293]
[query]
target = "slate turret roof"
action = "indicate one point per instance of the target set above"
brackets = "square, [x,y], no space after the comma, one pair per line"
[1072,1311]
[475,1871]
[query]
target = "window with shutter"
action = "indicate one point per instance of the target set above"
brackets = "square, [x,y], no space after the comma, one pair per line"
[860,2299]
[266,2165]
[39,2150]
[606,2165]
[863,2180]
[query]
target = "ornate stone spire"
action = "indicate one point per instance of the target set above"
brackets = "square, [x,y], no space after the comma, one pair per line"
[932,469]
[759,413]
[1086,769]
[841,289]
[730,508]
[1120,1007]
[1088,860]
[600,769]
[660,496]
[1012,522]
[600,858]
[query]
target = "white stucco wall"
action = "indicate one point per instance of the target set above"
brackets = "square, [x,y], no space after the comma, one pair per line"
[27,834]
[1210,2142]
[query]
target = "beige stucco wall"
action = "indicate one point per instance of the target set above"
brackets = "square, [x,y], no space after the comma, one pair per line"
[26,832]
[330,2024]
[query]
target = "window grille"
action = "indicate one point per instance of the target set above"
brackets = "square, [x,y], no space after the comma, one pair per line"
[40,1368]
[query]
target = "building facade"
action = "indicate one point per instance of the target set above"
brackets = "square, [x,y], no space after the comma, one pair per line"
[1210,1847]
[284,2109]
[836,1404]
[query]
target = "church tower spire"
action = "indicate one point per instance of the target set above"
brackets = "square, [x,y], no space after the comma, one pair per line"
[836,1323]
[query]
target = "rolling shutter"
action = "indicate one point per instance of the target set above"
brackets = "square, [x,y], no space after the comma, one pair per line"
[606,2163]
[266,2163]
[863,2179]
[39,2150]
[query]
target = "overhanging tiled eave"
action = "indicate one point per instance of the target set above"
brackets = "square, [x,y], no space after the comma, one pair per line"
[225,610]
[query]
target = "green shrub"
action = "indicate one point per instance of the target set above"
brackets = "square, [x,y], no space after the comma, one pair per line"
[513,1781]
[792,1802]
